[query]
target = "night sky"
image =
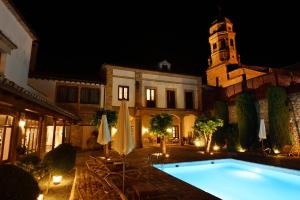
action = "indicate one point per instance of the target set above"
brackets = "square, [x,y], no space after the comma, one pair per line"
[77,37]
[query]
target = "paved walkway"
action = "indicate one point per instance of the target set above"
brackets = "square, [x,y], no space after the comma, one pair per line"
[167,184]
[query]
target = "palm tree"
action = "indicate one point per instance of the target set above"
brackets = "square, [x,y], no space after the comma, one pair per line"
[159,124]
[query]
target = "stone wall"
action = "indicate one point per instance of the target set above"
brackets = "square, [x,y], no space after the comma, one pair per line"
[263,108]
[295,115]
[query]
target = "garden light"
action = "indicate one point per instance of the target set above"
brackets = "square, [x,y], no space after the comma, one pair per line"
[56,179]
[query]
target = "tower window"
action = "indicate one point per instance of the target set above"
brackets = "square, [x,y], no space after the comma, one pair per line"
[214,45]
[231,42]
[222,44]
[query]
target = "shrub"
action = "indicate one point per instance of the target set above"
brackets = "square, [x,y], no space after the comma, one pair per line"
[61,159]
[16,183]
[32,159]
[21,150]
[247,120]
[111,116]
[221,112]
[278,117]
[232,135]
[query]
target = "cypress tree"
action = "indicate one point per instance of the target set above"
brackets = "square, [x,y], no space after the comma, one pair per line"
[247,120]
[278,117]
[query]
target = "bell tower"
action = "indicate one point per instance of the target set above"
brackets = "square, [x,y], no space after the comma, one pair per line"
[223,53]
[222,43]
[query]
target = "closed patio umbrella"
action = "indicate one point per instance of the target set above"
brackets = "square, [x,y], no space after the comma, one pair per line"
[123,141]
[104,134]
[262,132]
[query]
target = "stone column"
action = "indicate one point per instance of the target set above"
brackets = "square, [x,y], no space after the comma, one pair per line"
[109,88]
[199,95]
[54,130]
[40,133]
[181,133]
[64,132]
[138,132]
[43,134]
[102,95]
[15,139]
[138,105]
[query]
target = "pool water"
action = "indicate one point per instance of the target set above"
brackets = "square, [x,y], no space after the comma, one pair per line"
[231,179]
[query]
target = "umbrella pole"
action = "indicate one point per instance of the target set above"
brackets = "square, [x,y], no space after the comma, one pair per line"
[106,151]
[262,146]
[123,172]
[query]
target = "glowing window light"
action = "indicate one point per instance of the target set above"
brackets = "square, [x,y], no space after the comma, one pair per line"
[22,123]
[113,131]
[145,130]
[56,179]
[152,95]
[148,95]
[40,197]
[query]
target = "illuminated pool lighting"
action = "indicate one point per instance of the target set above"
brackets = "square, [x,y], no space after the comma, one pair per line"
[234,179]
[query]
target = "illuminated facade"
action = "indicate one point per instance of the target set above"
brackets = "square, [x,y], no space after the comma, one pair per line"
[81,97]
[224,67]
[151,92]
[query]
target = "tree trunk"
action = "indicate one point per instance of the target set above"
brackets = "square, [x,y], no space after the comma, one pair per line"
[208,143]
[163,145]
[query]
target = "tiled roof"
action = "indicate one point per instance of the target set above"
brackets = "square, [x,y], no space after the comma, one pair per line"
[19,91]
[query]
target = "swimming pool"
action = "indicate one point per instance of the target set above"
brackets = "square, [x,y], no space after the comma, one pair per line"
[231,179]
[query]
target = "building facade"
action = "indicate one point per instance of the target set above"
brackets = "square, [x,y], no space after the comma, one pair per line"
[151,92]
[81,97]
[25,113]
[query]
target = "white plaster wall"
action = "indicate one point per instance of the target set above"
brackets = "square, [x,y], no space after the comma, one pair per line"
[169,78]
[124,82]
[118,72]
[17,63]
[188,125]
[161,88]
[45,87]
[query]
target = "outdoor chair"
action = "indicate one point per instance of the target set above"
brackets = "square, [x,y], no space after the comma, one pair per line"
[103,170]
[90,186]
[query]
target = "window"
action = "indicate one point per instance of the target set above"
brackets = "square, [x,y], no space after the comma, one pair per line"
[123,93]
[222,44]
[231,42]
[175,132]
[67,94]
[30,140]
[171,99]
[189,100]
[5,136]
[150,98]
[89,95]
[214,45]
[58,137]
